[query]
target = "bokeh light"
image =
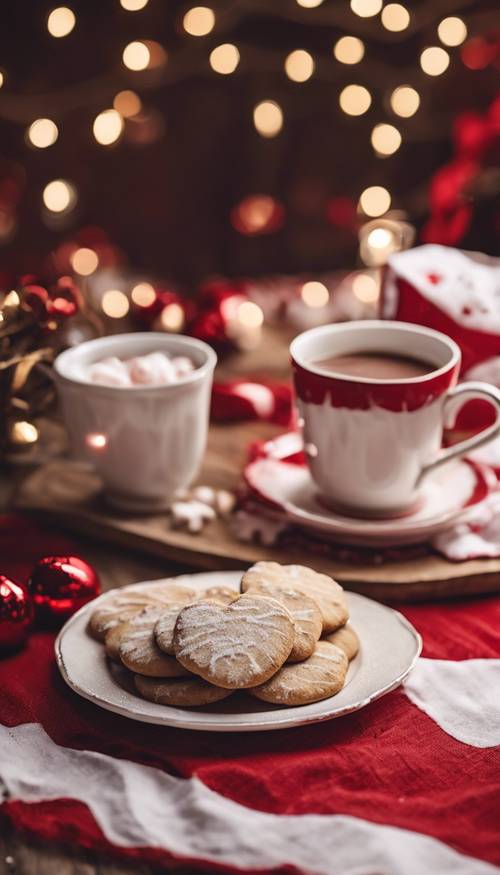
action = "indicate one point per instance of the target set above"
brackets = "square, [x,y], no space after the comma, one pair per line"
[107,127]
[452,31]
[133,5]
[434,60]
[366,288]
[375,200]
[268,118]
[250,315]
[349,50]
[172,317]
[23,432]
[96,440]
[309,4]
[355,99]
[315,294]
[224,59]
[395,17]
[385,139]
[366,8]
[42,133]
[61,21]
[299,65]
[157,54]
[145,127]
[115,304]
[127,103]
[380,238]
[143,294]
[2,79]
[11,299]
[136,56]
[199,21]
[84,261]
[405,101]
[478,53]
[257,214]
[59,196]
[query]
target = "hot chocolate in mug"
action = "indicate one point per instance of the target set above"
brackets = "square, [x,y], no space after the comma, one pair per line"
[371,440]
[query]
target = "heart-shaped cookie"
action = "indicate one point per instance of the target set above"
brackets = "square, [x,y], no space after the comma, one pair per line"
[326,592]
[304,612]
[234,646]
[120,605]
[320,676]
[138,650]
[221,594]
[346,640]
[179,692]
[164,629]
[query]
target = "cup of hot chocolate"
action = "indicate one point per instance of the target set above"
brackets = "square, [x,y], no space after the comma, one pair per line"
[373,399]
[137,407]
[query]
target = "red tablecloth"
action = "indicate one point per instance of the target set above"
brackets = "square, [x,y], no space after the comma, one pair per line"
[410,784]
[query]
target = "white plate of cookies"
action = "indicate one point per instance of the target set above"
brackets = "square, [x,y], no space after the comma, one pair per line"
[269,648]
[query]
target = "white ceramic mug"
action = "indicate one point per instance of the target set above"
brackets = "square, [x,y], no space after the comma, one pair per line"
[146,442]
[370,442]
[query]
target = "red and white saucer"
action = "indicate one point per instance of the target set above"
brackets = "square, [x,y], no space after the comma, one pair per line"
[450,495]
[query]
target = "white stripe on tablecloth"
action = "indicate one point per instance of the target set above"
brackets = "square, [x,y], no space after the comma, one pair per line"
[463,698]
[140,806]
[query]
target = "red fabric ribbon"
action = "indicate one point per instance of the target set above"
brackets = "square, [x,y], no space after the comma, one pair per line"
[242,400]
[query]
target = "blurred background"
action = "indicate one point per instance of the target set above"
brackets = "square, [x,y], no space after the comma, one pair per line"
[229,169]
[244,137]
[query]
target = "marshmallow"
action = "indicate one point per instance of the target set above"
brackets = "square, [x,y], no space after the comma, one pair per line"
[182,365]
[205,494]
[109,372]
[154,369]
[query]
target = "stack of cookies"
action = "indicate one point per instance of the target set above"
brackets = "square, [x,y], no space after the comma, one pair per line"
[284,638]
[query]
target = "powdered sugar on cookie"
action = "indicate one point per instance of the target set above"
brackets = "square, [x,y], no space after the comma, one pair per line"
[237,646]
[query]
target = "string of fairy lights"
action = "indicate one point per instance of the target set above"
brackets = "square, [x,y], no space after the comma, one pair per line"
[257,213]
[355,99]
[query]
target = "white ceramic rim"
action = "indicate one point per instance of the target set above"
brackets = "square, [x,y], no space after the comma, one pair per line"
[282,718]
[369,325]
[137,339]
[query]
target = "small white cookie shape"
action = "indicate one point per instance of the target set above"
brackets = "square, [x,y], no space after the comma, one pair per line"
[194,508]
[236,646]
[191,515]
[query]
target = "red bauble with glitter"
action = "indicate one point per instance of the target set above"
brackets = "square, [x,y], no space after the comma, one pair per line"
[16,614]
[60,585]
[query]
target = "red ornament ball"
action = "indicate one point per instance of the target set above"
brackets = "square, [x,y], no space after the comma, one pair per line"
[60,585]
[16,614]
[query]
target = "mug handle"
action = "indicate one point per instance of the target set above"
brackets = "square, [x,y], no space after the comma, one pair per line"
[456,398]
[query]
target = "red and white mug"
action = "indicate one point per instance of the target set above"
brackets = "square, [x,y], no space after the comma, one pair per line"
[370,442]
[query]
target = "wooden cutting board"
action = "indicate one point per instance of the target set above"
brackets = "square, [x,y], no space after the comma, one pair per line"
[69,494]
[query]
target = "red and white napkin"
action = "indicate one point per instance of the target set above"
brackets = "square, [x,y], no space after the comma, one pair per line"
[458,293]
[452,291]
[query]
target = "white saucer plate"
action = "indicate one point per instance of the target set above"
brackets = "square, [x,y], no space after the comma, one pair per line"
[390,647]
[449,495]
